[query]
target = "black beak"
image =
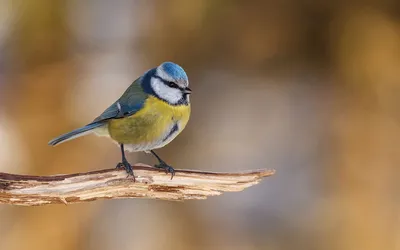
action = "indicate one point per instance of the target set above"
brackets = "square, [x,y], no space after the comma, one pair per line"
[187,91]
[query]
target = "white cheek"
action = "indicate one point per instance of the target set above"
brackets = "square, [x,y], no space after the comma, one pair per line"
[171,95]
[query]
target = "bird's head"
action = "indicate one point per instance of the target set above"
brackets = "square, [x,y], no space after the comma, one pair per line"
[169,83]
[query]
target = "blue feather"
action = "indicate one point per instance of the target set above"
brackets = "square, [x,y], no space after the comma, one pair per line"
[146,82]
[76,133]
[174,70]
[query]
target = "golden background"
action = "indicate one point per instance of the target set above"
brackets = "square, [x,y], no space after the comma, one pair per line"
[309,88]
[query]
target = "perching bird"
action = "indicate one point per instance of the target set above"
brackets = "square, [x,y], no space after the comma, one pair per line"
[150,114]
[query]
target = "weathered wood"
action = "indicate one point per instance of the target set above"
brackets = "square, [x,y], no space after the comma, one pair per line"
[113,184]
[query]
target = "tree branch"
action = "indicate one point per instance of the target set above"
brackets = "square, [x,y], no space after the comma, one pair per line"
[152,183]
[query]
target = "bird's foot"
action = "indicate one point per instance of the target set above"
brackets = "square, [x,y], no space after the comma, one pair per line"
[128,168]
[168,169]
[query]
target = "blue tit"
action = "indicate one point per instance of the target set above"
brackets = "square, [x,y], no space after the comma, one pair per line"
[150,114]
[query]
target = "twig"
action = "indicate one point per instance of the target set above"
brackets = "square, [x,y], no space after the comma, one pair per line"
[113,184]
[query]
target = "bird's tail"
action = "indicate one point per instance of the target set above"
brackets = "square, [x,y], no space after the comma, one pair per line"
[76,133]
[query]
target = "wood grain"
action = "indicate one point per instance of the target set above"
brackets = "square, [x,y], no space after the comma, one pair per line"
[150,183]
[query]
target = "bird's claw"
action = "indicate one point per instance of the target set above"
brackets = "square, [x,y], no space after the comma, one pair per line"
[128,168]
[168,169]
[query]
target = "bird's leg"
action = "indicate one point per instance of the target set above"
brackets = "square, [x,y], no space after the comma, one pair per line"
[125,164]
[163,165]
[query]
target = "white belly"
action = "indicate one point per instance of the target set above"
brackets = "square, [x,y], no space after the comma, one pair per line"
[170,134]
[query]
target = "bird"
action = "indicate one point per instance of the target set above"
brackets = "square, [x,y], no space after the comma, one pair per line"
[152,111]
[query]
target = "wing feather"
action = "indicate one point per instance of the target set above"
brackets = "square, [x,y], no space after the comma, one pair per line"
[128,104]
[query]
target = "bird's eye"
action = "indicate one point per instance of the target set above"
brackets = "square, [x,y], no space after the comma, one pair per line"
[171,84]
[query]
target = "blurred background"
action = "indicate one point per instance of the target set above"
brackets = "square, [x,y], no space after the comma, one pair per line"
[309,88]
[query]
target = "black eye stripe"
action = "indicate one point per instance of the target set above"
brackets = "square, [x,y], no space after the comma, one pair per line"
[170,84]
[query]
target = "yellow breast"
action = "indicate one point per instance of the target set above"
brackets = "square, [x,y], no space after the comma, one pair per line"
[154,126]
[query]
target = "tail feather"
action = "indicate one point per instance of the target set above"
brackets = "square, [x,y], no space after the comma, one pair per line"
[76,133]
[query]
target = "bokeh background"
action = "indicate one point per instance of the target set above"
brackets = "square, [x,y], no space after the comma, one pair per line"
[309,88]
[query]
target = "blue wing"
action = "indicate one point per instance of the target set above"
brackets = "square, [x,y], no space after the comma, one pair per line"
[128,104]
